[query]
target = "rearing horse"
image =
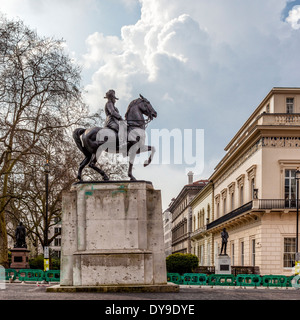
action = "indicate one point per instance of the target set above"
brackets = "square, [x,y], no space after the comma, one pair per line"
[129,141]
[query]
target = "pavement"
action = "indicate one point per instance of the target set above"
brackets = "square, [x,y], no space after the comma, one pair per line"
[192,302]
[37,291]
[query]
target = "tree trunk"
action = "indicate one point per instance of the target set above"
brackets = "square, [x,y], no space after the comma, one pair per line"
[3,242]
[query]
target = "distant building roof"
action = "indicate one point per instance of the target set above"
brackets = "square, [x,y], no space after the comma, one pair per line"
[197,185]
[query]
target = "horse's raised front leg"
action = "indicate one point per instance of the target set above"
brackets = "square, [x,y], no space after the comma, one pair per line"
[148,148]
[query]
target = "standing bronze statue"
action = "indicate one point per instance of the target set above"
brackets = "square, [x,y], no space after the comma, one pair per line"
[224,236]
[20,235]
[129,141]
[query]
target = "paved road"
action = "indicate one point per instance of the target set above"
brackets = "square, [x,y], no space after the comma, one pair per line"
[33,291]
[189,304]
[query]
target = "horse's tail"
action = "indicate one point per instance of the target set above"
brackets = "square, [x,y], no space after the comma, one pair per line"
[76,136]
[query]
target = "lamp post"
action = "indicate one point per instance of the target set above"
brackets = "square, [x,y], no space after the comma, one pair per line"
[46,248]
[297,256]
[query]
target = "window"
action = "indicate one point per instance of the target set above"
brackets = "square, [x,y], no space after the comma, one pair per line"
[201,256]
[208,214]
[223,197]
[290,188]
[217,201]
[57,242]
[268,108]
[208,254]
[252,188]
[232,201]
[240,186]
[57,219]
[242,195]
[232,254]
[253,251]
[289,252]
[289,105]
[242,253]
[57,230]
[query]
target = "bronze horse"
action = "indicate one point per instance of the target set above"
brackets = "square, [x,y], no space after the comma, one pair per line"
[129,142]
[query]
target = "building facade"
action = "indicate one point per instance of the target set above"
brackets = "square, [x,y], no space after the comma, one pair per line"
[254,189]
[202,215]
[181,211]
[167,224]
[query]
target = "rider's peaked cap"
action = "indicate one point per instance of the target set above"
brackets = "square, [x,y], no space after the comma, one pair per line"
[110,93]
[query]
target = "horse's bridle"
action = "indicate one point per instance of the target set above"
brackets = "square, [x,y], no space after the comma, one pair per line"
[149,119]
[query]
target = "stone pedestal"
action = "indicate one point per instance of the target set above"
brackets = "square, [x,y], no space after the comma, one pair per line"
[112,238]
[223,264]
[19,258]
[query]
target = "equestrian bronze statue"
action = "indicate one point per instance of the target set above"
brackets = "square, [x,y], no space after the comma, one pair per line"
[117,136]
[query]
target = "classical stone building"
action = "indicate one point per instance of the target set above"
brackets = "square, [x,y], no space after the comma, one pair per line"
[167,224]
[254,188]
[182,215]
[202,214]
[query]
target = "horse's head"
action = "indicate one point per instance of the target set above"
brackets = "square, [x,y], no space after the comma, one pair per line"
[148,110]
[136,111]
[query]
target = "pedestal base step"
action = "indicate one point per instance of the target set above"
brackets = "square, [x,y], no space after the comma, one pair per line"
[116,289]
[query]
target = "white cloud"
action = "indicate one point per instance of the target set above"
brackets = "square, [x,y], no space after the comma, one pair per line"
[164,55]
[202,64]
[294,17]
[101,49]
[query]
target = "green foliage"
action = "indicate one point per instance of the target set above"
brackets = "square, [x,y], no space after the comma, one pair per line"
[181,263]
[38,263]
[55,264]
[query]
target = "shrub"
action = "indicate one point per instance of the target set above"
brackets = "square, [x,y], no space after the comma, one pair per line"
[38,263]
[181,263]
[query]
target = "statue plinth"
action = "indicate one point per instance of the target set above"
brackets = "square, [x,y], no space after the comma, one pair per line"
[112,238]
[223,264]
[19,258]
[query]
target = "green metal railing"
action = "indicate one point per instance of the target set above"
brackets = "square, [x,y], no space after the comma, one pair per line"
[241,280]
[32,275]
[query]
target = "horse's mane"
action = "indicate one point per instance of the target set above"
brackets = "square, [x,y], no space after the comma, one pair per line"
[132,103]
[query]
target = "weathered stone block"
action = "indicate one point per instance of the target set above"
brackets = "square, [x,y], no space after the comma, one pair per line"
[112,234]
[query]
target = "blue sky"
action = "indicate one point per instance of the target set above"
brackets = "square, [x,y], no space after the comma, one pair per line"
[289,7]
[202,64]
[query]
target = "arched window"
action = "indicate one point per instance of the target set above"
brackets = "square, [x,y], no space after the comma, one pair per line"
[208,213]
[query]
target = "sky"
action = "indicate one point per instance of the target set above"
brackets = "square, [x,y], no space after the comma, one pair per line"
[203,65]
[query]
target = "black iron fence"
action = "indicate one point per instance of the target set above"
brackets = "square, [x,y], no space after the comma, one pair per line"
[235,270]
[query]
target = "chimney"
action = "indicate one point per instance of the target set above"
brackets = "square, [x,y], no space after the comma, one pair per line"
[190,177]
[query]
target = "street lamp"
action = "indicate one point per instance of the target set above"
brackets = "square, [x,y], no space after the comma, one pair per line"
[297,256]
[46,248]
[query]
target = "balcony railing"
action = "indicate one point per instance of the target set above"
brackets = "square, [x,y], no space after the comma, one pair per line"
[255,205]
[198,231]
[230,215]
[279,119]
[277,204]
